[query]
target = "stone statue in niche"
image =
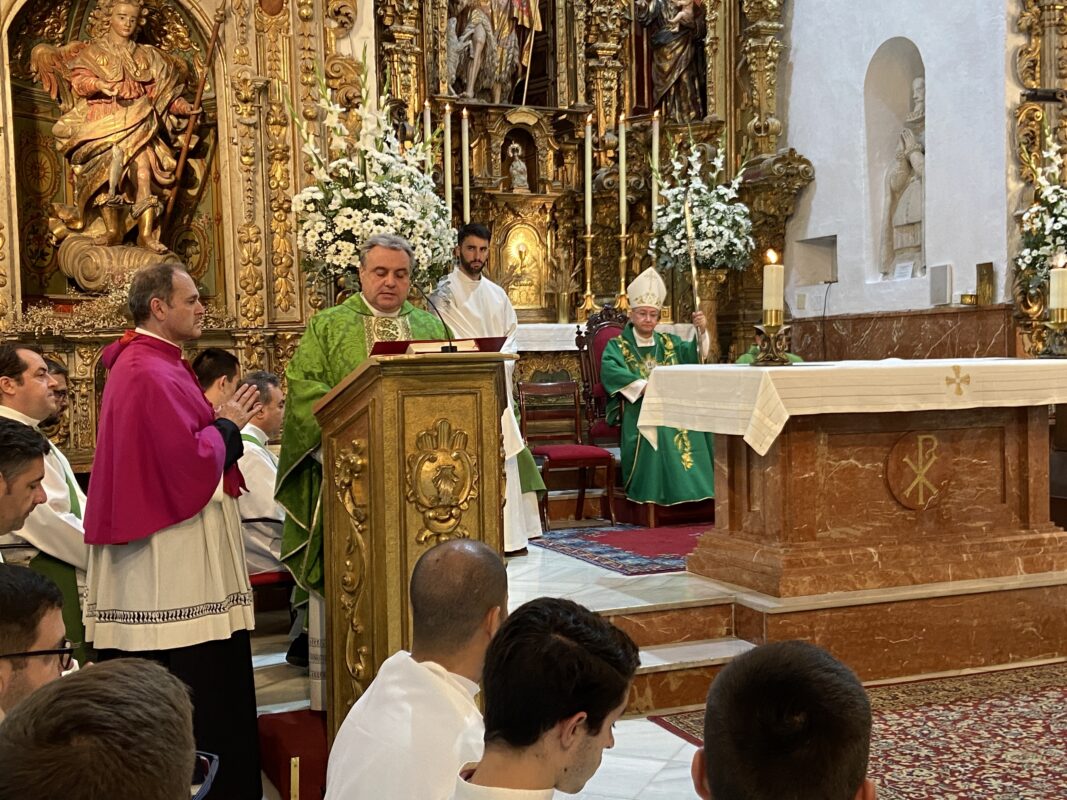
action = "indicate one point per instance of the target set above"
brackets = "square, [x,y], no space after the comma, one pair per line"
[676,31]
[519,179]
[489,64]
[122,116]
[902,238]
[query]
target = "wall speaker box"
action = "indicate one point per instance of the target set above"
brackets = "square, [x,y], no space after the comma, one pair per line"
[940,284]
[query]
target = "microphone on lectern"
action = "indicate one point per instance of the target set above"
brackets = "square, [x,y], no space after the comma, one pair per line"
[445,348]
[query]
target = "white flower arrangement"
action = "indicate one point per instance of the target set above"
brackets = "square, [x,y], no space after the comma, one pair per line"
[367,185]
[722,226]
[1044,224]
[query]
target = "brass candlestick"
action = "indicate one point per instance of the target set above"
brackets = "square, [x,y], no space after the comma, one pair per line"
[588,305]
[621,301]
[1056,338]
[773,342]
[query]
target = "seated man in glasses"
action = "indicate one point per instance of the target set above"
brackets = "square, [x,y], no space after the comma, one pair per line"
[122,729]
[33,645]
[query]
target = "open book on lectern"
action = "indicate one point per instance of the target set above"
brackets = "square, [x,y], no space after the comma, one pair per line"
[484,344]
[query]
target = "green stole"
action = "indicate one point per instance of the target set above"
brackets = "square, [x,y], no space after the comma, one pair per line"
[336,342]
[65,577]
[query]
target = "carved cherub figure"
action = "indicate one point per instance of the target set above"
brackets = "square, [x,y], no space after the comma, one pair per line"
[684,15]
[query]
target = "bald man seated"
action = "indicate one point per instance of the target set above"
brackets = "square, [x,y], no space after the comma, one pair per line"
[418,724]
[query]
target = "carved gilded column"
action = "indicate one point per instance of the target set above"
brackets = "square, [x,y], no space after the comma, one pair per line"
[608,29]
[6,293]
[761,50]
[402,52]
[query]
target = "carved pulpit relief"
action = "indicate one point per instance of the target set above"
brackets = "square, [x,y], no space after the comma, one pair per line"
[902,237]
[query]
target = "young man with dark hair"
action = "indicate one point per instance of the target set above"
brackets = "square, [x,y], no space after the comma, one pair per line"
[261,516]
[22,452]
[557,677]
[121,730]
[54,531]
[216,372]
[32,635]
[786,719]
[167,574]
[474,307]
[418,723]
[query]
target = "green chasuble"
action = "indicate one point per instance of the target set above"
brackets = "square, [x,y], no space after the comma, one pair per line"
[337,340]
[681,469]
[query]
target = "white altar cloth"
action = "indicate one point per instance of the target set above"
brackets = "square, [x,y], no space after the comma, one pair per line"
[756,402]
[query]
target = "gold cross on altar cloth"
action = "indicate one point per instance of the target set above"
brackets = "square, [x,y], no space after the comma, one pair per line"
[959,381]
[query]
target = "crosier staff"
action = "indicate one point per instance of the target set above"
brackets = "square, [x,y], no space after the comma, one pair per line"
[693,269]
[194,118]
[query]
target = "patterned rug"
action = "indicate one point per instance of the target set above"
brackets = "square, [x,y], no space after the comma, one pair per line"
[627,549]
[998,736]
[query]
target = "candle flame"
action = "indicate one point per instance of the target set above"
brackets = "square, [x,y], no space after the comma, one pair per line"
[655,114]
[772,256]
[589,119]
[426,104]
[622,118]
[448,108]
[465,113]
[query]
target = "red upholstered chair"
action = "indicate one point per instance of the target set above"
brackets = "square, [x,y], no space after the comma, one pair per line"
[601,328]
[568,450]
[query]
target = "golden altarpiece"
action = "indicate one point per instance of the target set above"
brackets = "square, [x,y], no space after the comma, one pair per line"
[527,73]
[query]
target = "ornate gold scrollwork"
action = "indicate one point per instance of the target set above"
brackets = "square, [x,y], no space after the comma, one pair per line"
[349,467]
[4,304]
[442,480]
[761,51]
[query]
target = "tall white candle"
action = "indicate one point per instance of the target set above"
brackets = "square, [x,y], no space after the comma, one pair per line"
[447,148]
[622,172]
[1057,294]
[1058,260]
[465,156]
[773,283]
[427,136]
[655,167]
[589,173]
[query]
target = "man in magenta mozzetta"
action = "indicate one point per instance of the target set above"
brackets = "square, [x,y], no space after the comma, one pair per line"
[167,578]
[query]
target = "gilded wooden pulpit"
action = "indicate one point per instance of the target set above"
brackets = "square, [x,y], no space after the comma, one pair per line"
[412,456]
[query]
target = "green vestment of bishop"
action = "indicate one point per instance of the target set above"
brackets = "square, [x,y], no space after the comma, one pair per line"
[337,340]
[680,468]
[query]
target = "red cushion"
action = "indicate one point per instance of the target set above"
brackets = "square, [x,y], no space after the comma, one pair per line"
[295,733]
[282,576]
[601,339]
[599,392]
[570,452]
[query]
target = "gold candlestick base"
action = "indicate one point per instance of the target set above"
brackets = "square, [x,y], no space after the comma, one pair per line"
[773,343]
[1055,339]
[588,306]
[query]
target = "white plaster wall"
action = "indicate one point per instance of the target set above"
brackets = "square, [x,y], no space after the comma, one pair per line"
[970,86]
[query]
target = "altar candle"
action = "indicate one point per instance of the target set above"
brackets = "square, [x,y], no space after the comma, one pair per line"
[773,283]
[427,136]
[1057,294]
[464,146]
[655,167]
[589,173]
[447,148]
[622,172]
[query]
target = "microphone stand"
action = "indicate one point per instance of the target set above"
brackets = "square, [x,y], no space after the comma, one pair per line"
[445,348]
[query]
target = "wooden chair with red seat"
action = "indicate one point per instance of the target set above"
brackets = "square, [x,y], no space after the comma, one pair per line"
[568,450]
[602,327]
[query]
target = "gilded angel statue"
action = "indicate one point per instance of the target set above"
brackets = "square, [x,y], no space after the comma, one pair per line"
[121,106]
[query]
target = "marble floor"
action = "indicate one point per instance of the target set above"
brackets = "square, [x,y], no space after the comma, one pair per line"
[646,762]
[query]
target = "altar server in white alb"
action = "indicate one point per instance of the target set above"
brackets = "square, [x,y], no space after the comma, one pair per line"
[418,723]
[473,307]
[53,532]
[261,516]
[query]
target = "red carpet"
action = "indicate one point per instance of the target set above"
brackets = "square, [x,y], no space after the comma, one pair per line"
[1001,735]
[627,549]
[295,733]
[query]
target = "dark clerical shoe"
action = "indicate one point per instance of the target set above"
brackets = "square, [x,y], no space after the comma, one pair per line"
[298,652]
[516,553]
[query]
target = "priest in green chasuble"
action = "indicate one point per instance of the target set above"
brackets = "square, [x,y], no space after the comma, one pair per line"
[679,469]
[337,341]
